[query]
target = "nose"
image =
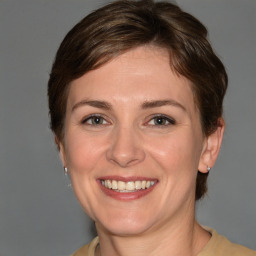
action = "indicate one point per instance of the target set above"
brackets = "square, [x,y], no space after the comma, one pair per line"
[126,148]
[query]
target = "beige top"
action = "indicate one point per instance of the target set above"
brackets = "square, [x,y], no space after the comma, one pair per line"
[217,246]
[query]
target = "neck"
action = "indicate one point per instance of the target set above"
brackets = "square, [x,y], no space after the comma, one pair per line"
[187,238]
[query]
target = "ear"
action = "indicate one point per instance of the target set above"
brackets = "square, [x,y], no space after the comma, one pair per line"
[211,147]
[61,148]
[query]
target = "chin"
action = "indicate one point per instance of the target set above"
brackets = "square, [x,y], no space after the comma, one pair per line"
[125,226]
[122,229]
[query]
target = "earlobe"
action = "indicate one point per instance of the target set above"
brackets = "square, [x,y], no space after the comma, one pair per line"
[211,148]
[61,151]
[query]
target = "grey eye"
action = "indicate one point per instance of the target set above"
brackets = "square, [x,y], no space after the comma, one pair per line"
[97,120]
[94,120]
[161,121]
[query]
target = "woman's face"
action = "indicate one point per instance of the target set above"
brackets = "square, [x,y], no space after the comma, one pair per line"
[133,143]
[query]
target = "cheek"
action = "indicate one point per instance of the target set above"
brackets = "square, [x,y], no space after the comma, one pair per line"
[176,153]
[83,152]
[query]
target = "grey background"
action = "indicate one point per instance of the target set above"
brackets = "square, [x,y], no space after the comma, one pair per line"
[39,214]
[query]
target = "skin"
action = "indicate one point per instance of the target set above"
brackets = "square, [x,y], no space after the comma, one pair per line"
[128,142]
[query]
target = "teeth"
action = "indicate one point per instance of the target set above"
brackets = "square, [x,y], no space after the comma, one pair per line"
[129,186]
[109,183]
[138,184]
[120,185]
[114,184]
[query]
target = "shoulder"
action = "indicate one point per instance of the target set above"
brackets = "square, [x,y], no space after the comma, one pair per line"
[88,249]
[221,246]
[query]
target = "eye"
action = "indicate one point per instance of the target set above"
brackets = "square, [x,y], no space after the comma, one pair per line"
[161,120]
[94,120]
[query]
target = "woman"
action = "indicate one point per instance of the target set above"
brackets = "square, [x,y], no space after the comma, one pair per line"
[135,98]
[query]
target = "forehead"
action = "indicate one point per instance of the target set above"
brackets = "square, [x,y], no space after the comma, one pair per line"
[140,74]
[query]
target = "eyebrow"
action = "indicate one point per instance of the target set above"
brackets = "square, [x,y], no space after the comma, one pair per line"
[93,103]
[161,103]
[145,105]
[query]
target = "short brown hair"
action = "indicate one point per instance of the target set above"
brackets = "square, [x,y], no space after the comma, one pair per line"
[127,24]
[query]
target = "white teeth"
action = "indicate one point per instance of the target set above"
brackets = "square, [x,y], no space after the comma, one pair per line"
[138,184]
[109,184]
[130,186]
[143,184]
[148,184]
[114,184]
[121,185]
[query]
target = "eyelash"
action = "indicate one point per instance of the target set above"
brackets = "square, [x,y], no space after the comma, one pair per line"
[170,121]
[90,118]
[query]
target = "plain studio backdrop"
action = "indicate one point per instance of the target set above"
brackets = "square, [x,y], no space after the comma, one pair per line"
[39,214]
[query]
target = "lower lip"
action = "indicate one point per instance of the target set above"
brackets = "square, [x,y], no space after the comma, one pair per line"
[126,196]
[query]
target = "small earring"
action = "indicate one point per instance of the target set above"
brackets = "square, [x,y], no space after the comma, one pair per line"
[67,177]
[65,171]
[208,168]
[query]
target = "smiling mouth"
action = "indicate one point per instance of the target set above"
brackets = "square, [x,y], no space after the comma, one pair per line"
[127,187]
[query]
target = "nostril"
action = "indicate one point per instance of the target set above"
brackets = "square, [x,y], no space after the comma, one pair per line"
[124,164]
[125,159]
